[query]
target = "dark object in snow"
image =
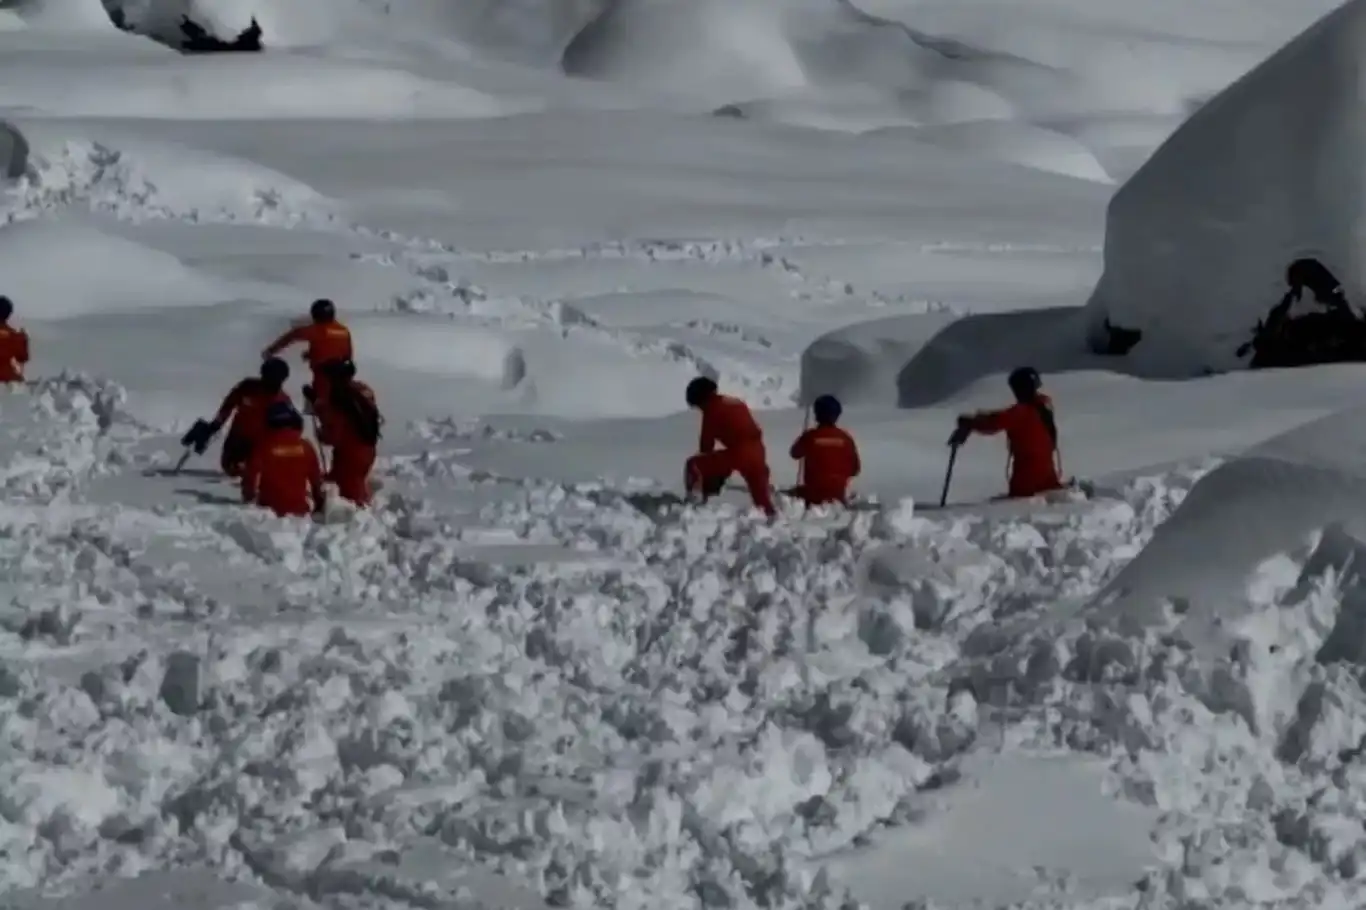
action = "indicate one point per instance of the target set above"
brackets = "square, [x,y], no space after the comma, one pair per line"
[198,41]
[1118,340]
[1333,333]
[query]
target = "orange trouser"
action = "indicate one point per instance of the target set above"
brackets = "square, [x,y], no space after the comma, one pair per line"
[708,473]
[351,466]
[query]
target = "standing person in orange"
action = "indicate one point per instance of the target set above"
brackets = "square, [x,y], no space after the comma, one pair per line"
[1031,435]
[349,421]
[13,345]
[246,403]
[828,454]
[326,340]
[284,472]
[727,421]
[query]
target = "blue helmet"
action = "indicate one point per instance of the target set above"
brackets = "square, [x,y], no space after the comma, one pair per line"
[282,416]
[826,409]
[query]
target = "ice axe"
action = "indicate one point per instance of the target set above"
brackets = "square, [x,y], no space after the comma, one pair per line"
[948,474]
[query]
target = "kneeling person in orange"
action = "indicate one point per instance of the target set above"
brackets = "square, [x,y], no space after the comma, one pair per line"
[727,421]
[1031,435]
[349,421]
[247,403]
[828,454]
[326,340]
[284,473]
[13,345]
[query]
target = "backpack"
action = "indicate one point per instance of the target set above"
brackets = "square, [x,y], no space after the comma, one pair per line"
[360,411]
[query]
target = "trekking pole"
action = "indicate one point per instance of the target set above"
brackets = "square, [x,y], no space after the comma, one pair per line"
[948,475]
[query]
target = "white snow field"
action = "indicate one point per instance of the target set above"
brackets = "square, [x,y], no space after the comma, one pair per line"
[523,679]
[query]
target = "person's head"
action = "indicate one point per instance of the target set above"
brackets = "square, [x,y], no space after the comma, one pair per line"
[700,391]
[6,308]
[282,416]
[340,371]
[274,372]
[323,310]
[1025,382]
[826,409]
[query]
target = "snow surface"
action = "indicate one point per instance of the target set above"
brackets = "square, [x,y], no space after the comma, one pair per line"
[524,679]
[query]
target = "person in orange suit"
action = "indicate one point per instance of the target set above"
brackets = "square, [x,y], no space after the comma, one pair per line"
[828,454]
[349,420]
[246,403]
[13,345]
[1031,435]
[326,341]
[284,472]
[727,421]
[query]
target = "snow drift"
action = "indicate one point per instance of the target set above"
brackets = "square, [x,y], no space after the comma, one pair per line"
[1274,501]
[57,269]
[1269,170]
[740,50]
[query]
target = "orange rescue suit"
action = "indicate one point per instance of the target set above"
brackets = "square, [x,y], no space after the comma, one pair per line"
[13,353]
[1033,469]
[729,422]
[246,403]
[282,473]
[324,342]
[830,460]
[352,456]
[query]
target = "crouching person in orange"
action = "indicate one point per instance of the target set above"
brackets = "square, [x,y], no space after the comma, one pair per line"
[13,345]
[284,473]
[350,422]
[1031,435]
[247,403]
[828,454]
[325,339]
[727,421]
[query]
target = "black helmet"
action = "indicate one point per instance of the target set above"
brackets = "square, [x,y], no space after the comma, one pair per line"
[826,409]
[700,391]
[274,371]
[282,416]
[1025,382]
[323,310]
[340,370]
[6,308]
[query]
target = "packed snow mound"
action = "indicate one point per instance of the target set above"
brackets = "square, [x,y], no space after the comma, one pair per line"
[741,50]
[1269,170]
[1204,566]
[118,173]
[57,269]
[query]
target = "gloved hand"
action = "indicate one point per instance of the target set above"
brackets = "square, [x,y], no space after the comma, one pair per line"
[200,435]
[962,432]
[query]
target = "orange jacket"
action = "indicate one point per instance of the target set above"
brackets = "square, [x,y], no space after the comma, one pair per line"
[325,341]
[728,421]
[247,403]
[830,460]
[1033,469]
[335,427]
[13,353]
[282,473]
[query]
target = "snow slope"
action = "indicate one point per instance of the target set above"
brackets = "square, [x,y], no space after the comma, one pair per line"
[524,679]
[1192,259]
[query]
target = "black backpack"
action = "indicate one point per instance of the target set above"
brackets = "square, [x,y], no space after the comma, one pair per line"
[360,411]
